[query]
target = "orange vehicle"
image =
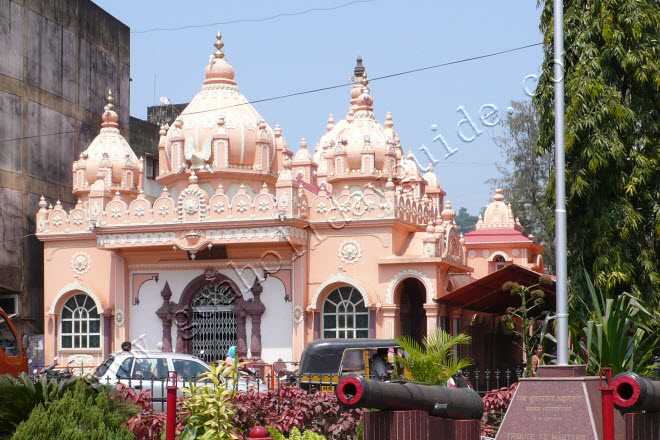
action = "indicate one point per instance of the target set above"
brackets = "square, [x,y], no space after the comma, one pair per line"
[13,359]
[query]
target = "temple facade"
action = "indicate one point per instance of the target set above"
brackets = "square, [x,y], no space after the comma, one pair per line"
[249,244]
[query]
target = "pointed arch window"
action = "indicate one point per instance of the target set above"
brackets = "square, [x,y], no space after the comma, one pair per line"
[81,323]
[345,315]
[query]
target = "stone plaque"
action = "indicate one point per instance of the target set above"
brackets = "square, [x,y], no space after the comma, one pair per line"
[556,408]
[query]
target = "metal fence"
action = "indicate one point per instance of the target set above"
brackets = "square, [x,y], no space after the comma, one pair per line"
[483,381]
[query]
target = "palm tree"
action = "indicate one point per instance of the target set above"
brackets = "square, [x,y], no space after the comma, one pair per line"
[432,362]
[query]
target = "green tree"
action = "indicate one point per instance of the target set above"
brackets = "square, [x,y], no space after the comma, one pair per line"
[524,176]
[612,95]
[464,221]
[432,361]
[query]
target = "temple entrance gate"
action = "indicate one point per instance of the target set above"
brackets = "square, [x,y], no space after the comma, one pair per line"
[213,322]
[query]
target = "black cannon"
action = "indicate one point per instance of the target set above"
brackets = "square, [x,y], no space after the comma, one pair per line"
[633,392]
[450,403]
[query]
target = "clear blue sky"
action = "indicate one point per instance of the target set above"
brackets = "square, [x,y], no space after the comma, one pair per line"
[318,49]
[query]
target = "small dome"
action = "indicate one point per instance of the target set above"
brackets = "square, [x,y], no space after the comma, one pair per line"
[431,178]
[108,155]
[303,155]
[498,214]
[410,167]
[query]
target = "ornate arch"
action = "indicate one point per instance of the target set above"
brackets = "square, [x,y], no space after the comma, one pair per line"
[339,277]
[409,273]
[72,287]
[183,314]
[500,254]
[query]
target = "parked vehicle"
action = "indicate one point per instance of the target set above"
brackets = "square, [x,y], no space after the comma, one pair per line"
[148,371]
[324,361]
[13,359]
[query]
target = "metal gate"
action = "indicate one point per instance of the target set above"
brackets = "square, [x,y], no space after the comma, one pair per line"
[213,322]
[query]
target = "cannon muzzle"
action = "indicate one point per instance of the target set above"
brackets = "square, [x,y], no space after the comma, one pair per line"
[633,392]
[450,403]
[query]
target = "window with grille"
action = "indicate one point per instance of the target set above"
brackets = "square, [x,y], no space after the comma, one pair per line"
[345,315]
[81,323]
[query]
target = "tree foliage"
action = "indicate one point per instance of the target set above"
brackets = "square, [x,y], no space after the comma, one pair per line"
[464,221]
[525,174]
[612,96]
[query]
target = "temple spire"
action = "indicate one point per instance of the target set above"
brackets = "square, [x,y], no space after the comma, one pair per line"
[219,45]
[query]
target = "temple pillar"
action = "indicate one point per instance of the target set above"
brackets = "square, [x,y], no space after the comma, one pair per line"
[255,309]
[390,328]
[165,313]
[431,317]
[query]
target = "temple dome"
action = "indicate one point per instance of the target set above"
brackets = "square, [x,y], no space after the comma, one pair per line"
[219,129]
[110,156]
[498,215]
[359,136]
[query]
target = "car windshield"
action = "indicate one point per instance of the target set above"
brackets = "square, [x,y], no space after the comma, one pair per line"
[101,370]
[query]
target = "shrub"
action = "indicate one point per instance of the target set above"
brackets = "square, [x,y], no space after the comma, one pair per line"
[19,396]
[496,403]
[295,435]
[78,415]
[290,407]
[210,407]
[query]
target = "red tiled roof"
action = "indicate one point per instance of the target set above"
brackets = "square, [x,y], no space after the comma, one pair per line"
[486,295]
[309,187]
[496,236]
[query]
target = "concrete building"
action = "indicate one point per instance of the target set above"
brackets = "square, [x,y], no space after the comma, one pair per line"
[58,58]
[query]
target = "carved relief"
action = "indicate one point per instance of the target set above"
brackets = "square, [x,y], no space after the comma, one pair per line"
[80,263]
[350,251]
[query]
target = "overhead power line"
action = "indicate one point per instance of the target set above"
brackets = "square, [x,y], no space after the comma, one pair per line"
[320,89]
[253,20]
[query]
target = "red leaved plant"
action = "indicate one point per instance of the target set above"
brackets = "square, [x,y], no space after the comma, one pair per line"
[289,407]
[496,403]
[148,424]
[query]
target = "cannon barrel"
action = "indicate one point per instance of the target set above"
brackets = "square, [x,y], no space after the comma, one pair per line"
[450,403]
[633,392]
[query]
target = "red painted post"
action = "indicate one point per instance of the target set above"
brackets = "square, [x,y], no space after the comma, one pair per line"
[607,393]
[259,433]
[170,421]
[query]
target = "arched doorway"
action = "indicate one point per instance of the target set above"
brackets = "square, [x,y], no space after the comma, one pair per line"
[411,309]
[213,322]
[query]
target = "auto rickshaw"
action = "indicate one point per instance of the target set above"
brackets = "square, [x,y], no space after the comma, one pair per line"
[13,359]
[324,361]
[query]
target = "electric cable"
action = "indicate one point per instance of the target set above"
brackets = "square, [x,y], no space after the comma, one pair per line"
[253,20]
[322,89]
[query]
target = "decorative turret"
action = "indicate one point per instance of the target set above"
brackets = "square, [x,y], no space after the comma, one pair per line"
[304,165]
[498,215]
[108,158]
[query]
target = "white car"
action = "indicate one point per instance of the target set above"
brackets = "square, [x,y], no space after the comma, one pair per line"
[148,371]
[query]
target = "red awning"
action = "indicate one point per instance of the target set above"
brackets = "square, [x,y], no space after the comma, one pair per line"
[486,295]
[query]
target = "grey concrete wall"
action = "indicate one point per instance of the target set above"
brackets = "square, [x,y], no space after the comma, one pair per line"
[58,58]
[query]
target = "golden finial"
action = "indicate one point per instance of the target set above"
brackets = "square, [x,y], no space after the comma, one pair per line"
[110,100]
[219,45]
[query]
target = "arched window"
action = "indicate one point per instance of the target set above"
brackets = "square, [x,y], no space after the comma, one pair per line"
[500,262]
[81,323]
[345,315]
